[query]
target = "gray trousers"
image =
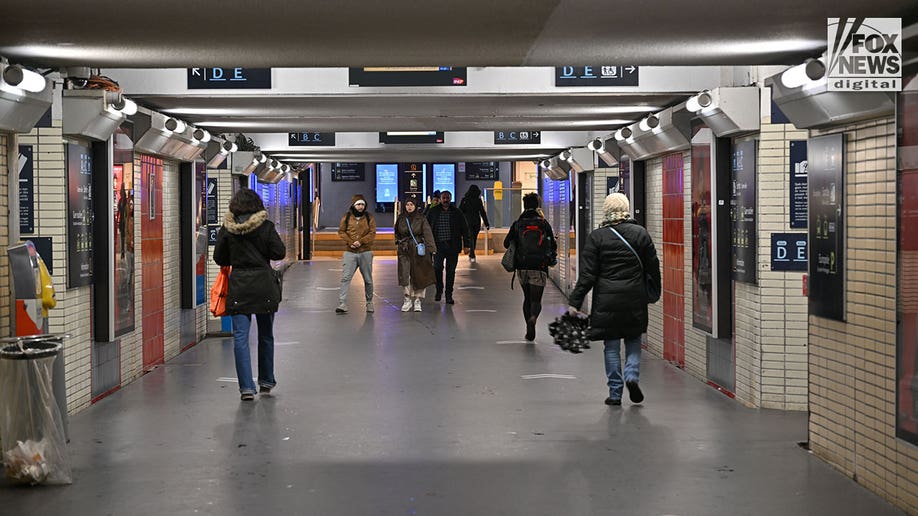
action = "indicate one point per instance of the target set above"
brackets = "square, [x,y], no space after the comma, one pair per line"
[352,262]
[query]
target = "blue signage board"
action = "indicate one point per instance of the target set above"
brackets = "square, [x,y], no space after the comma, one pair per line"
[788,252]
[517,137]
[229,78]
[26,167]
[386,182]
[799,197]
[444,178]
[310,139]
[599,75]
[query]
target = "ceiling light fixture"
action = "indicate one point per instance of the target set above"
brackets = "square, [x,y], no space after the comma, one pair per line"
[623,134]
[125,105]
[175,125]
[598,145]
[228,147]
[649,123]
[698,102]
[808,71]
[201,135]
[23,79]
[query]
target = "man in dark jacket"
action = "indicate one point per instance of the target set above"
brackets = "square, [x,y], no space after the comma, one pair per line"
[451,233]
[473,209]
[615,274]
[247,242]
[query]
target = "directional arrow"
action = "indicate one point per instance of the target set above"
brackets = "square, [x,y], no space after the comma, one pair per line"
[631,69]
[196,71]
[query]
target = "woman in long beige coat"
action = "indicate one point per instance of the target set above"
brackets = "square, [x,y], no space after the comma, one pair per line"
[415,272]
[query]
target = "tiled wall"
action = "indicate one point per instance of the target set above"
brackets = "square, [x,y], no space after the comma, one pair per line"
[172,281]
[224,193]
[5,313]
[852,365]
[653,215]
[673,257]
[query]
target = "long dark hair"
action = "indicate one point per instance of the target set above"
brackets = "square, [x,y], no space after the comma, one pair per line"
[473,191]
[245,201]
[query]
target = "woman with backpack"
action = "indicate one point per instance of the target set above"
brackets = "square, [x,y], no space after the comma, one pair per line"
[473,210]
[617,262]
[415,270]
[248,242]
[536,251]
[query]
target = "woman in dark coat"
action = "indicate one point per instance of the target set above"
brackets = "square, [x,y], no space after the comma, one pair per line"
[619,309]
[415,273]
[248,242]
[532,264]
[473,209]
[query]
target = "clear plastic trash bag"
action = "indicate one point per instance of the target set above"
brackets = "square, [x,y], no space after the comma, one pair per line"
[34,450]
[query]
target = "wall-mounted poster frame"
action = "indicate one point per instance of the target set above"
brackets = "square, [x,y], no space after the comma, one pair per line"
[743,204]
[907,268]
[826,176]
[123,230]
[79,215]
[702,230]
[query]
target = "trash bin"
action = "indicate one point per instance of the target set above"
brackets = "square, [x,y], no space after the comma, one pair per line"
[31,428]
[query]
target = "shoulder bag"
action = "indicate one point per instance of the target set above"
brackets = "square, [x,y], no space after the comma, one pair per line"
[422,249]
[219,291]
[653,291]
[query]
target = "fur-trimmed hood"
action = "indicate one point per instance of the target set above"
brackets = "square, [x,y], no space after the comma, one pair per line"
[244,224]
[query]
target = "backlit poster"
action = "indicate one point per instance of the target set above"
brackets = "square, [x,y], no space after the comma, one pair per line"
[702,277]
[202,211]
[444,178]
[743,212]
[907,304]
[386,182]
[79,215]
[123,228]
[826,177]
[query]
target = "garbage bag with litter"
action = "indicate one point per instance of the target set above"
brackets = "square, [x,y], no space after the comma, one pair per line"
[31,431]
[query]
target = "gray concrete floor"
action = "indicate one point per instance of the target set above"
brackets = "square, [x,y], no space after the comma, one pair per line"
[429,413]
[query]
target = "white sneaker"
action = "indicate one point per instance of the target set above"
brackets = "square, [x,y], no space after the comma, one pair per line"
[406,306]
[370,307]
[417,304]
[472,260]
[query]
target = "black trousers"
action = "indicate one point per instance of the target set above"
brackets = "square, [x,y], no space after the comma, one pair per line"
[451,259]
[532,301]
[473,241]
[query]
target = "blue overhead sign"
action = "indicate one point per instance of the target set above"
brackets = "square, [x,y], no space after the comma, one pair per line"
[600,75]
[308,139]
[517,137]
[229,78]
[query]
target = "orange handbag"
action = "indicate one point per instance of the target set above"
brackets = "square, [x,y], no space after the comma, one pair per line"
[218,292]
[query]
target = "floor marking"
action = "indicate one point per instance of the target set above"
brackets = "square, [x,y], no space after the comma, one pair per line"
[286,343]
[470,287]
[488,311]
[328,288]
[336,270]
[514,342]
[547,375]
[227,379]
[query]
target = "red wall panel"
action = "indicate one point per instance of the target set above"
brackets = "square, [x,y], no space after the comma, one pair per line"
[151,214]
[673,260]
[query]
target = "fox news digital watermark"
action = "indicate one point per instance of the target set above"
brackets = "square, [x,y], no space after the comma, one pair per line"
[865,54]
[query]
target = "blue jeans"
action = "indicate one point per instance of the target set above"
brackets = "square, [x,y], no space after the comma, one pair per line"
[614,364]
[241,325]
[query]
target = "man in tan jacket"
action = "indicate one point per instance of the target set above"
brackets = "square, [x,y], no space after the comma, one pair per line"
[358,231]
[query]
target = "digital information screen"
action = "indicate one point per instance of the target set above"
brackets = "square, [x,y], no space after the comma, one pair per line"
[411,137]
[444,178]
[386,182]
[408,76]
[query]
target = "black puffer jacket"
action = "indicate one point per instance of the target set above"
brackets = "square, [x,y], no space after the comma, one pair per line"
[612,272]
[252,286]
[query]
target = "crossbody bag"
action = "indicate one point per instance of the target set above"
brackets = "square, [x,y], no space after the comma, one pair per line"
[653,291]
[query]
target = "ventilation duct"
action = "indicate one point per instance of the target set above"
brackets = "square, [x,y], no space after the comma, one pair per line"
[555,169]
[166,137]
[664,132]
[92,113]
[728,111]
[217,151]
[578,160]
[21,109]
[812,105]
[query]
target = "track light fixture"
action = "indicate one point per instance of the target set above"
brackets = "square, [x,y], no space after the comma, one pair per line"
[808,71]
[23,79]
[545,164]
[228,147]
[200,135]
[700,101]
[175,125]
[596,145]
[623,134]
[125,105]
[650,123]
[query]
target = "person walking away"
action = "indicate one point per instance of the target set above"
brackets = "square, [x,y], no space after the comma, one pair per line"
[615,274]
[536,251]
[415,272]
[247,242]
[358,231]
[474,211]
[451,234]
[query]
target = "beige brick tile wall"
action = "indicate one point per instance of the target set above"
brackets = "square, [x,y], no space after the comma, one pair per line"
[72,314]
[852,365]
[5,287]
[696,345]
[132,343]
[224,193]
[654,222]
[172,270]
